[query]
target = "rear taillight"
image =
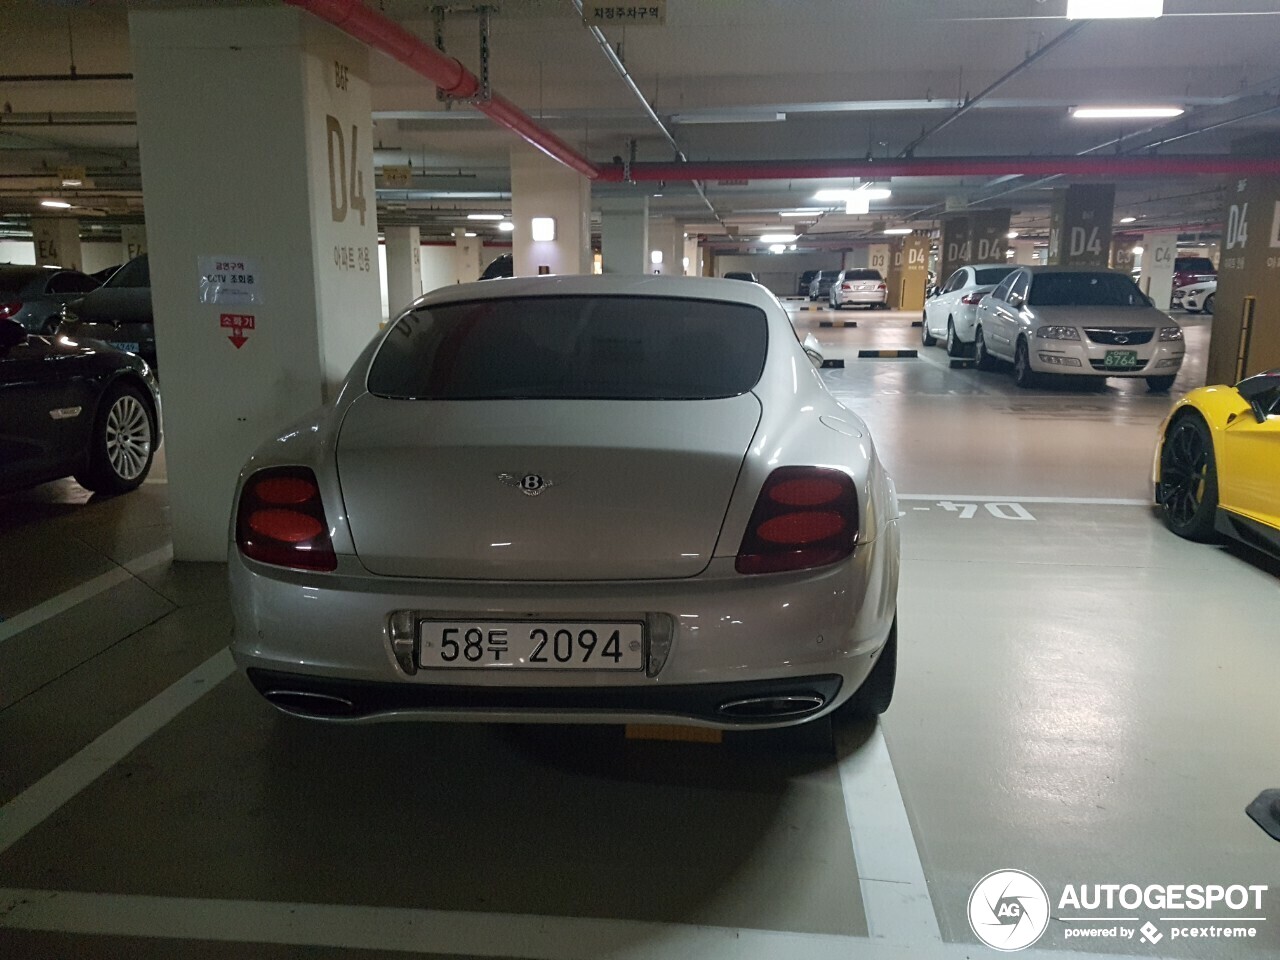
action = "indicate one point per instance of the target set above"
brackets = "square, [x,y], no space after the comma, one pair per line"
[973,299]
[281,520]
[10,309]
[805,517]
[845,286]
[882,286]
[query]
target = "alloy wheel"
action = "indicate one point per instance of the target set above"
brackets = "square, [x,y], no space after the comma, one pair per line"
[128,437]
[1184,473]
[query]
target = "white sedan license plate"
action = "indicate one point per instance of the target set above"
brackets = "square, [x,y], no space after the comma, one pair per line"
[530,645]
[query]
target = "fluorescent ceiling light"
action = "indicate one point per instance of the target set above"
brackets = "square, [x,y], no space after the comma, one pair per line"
[506,226]
[72,183]
[543,229]
[1114,9]
[655,257]
[1128,219]
[777,248]
[1012,234]
[468,234]
[1125,113]
[779,238]
[898,231]
[1138,250]
[843,195]
[59,204]
[858,202]
[486,216]
[798,213]
[772,117]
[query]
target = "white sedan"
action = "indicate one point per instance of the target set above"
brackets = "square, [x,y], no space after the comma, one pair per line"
[573,500]
[1196,297]
[951,313]
[1079,321]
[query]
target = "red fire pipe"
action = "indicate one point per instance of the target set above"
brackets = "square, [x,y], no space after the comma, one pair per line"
[1080,166]
[455,80]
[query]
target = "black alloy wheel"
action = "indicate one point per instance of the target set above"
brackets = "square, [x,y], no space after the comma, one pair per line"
[1188,488]
[1023,375]
[927,338]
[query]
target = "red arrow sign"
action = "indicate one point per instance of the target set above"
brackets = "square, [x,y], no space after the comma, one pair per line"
[238,323]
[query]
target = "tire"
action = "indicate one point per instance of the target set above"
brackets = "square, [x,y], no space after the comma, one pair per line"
[1208,304]
[955,347]
[927,338]
[1160,384]
[122,444]
[50,326]
[981,359]
[876,693]
[1187,493]
[1023,375]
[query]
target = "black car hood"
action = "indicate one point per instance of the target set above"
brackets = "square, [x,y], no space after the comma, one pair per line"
[114,305]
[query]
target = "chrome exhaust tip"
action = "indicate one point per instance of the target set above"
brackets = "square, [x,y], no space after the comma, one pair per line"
[309,704]
[773,708]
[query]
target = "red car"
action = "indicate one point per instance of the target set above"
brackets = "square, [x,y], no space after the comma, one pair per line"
[1192,270]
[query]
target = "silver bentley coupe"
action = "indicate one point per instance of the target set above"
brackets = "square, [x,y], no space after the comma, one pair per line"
[573,499]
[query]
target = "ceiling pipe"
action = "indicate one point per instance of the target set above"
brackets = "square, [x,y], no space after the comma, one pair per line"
[1079,166]
[971,102]
[61,77]
[615,61]
[453,79]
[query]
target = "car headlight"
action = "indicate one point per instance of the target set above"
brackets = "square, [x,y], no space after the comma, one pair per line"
[1058,333]
[1196,292]
[1170,333]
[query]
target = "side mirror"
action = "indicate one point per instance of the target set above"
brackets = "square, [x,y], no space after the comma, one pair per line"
[1260,392]
[1016,300]
[12,333]
[814,350]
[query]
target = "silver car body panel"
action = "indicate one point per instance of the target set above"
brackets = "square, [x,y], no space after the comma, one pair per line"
[947,306]
[725,626]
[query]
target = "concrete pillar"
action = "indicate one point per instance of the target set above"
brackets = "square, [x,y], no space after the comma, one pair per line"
[1247,304]
[543,188]
[1158,253]
[276,189]
[914,275]
[666,238]
[134,238]
[624,234]
[57,241]
[879,257]
[467,257]
[1080,225]
[893,275]
[1122,254]
[988,235]
[954,246]
[404,267]
[1023,252]
[691,266]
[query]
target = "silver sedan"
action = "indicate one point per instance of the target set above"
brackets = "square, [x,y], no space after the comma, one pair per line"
[573,499]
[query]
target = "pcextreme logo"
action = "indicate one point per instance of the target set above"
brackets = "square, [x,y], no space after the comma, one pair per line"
[1009,910]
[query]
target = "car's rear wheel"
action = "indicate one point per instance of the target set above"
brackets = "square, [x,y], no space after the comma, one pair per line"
[981,359]
[1160,384]
[876,693]
[954,347]
[122,444]
[1188,489]
[1208,304]
[1023,375]
[927,338]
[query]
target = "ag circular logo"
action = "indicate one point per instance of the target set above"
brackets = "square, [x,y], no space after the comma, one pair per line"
[1008,910]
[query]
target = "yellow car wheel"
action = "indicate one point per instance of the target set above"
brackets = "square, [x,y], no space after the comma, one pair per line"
[1188,479]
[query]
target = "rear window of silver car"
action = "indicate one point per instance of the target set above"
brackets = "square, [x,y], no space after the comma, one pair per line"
[1085,290]
[573,348]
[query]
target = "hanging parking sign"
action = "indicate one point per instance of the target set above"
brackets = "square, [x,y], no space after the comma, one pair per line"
[653,13]
[230,280]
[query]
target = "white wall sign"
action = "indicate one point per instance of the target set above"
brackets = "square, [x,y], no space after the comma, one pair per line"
[227,279]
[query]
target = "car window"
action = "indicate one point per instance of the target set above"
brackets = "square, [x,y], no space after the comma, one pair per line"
[993,275]
[955,281]
[1021,281]
[1193,265]
[135,273]
[1001,292]
[68,281]
[862,275]
[1085,289]
[573,348]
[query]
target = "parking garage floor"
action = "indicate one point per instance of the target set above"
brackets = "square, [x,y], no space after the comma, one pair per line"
[1081,695]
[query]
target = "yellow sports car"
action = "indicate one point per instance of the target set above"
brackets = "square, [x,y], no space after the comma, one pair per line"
[1217,467]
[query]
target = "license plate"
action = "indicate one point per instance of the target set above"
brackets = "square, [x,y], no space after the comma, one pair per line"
[526,645]
[126,347]
[1120,358]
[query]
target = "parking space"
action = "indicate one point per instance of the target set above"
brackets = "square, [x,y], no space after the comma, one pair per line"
[1068,704]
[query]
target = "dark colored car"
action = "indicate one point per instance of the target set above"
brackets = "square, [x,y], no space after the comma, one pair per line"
[820,285]
[118,312]
[34,295]
[802,288]
[74,407]
[742,275]
[503,265]
[1192,270]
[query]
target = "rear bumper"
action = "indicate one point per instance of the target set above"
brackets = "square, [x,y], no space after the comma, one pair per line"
[864,297]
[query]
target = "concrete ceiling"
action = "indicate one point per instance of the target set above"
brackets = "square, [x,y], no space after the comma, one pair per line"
[854,79]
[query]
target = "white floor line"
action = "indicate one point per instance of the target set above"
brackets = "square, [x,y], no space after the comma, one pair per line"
[456,931]
[895,896]
[1014,498]
[29,809]
[76,595]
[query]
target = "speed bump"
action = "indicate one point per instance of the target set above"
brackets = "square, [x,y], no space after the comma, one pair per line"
[887,354]
[832,364]
[831,323]
[917,323]
[959,363]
